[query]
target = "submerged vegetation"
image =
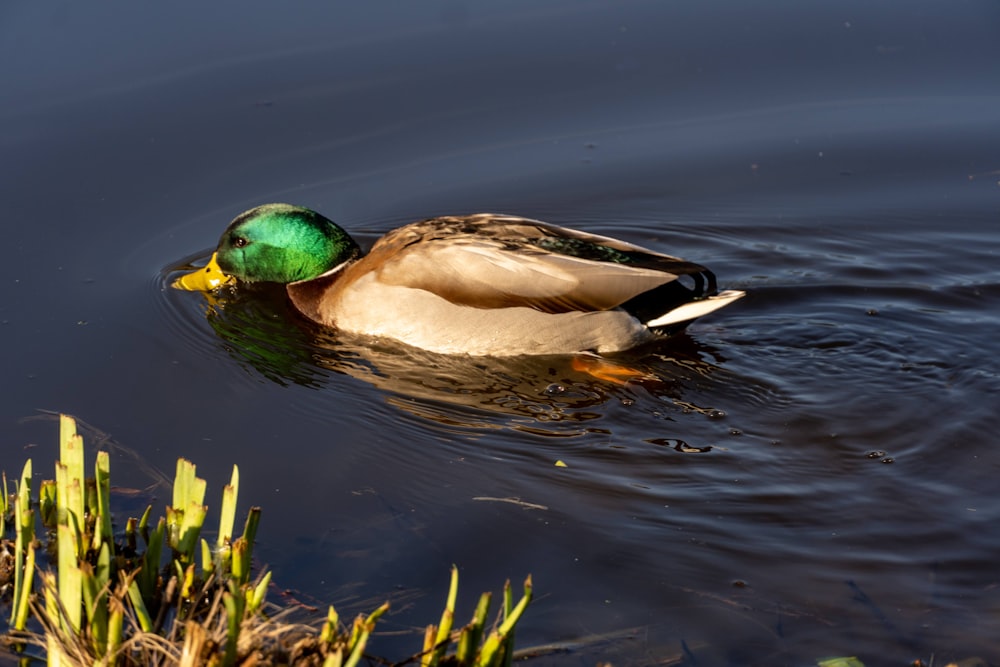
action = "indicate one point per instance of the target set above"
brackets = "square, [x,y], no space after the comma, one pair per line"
[159,593]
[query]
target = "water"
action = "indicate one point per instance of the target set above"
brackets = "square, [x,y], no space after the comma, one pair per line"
[810,472]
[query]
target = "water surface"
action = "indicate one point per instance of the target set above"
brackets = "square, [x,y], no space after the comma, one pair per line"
[810,472]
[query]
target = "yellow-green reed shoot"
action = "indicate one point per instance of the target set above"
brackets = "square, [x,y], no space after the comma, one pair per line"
[207,559]
[51,599]
[507,648]
[427,653]
[47,503]
[439,640]
[4,505]
[116,626]
[187,514]
[242,548]
[144,523]
[70,516]
[56,639]
[95,597]
[250,527]
[235,604]
[89,509]
[23,500]
[139,607]
[256,595]
[102,476]
[71,457]
[331,627]
[360,633]
[496,650]
[70,588]
[194,518]
[187,581]
[241,561]
[69,504]
[472,634]
[130,527]
[24,551]
[149,572]
[22,597]
[334,659]
[188,488]
[498,647]
[227,517]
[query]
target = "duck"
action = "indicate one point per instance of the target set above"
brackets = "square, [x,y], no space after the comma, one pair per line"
[483,285]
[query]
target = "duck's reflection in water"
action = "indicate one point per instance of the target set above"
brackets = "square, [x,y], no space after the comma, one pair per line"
[547,395]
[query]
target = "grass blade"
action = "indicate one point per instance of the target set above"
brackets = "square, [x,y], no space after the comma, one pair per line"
[139,607]
[69,576]
[256,595]
[20,608]
[227,517]
[472,634]
[190,529]
[47,503]
[447,619]
[330,627]
[358,648]
[102,475]
[24,525]
[235,605]
[3,505]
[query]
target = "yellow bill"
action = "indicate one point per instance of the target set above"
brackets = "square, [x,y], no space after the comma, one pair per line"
[205,279]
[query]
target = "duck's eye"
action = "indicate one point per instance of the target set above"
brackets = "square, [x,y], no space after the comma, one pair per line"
[240,242]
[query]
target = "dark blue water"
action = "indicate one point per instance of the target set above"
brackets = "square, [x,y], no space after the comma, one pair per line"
[810,472]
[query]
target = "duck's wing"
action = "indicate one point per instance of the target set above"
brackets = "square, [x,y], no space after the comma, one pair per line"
[491,261]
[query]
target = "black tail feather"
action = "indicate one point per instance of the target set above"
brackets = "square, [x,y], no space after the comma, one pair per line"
[654,303]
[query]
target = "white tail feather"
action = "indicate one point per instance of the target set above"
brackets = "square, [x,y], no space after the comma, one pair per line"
[696,309]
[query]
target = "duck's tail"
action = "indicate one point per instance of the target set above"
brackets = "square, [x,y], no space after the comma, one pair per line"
[692,310]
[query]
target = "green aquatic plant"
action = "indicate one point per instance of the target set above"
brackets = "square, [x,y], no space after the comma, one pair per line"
[24,548]
[471,650]
[163,595]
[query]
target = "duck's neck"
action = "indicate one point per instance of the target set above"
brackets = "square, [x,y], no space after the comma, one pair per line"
[319,246]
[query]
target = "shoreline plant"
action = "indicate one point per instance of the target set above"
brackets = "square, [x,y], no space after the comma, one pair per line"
[159,593]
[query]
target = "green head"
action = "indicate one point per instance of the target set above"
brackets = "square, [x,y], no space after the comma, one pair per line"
[282,243]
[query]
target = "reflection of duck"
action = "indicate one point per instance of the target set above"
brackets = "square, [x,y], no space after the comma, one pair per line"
[482,284]
[557,395]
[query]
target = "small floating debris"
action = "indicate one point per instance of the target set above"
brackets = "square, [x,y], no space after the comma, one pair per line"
[513,501]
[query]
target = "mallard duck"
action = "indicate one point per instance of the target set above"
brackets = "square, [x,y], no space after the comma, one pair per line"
[481,284]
